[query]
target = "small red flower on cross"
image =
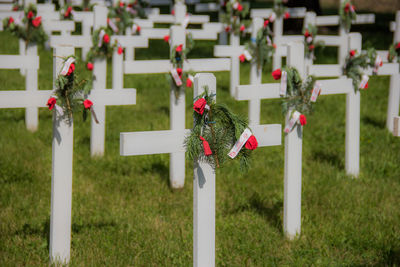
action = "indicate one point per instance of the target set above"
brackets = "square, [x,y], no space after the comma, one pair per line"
[277,74]
[87,104]
[51,103]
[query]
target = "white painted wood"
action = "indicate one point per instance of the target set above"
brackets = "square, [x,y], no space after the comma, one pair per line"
[61,179]
[18,61]
[255,78]
[396,38]
[204,195]
[393,101]
[177,113]
[333,20]
[295,12]
[31,85]
[396,126]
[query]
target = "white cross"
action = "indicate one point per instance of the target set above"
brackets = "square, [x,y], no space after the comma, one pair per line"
[293,140]
[171,141]
[177,106]
[99,84]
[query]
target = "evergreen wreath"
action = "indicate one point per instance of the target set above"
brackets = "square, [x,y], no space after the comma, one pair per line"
[394,52]
[29,29]
[298,92]
[347,13]
[101,48]
[234,18]
[177,57]
[357,62]
[261,49]
[138,8]
[216,129]
[279,8]
[66,12]
[121,15]
[310,32]
[71,92]
[86,6]
[17,7]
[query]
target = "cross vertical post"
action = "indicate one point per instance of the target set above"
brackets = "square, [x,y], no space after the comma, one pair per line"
[61,179]
[278,32]
[394,100]
[353,100]
[31,84]
[177,116]
[255,78]
[99,83]
[293,157]
[235,69]
[204,195]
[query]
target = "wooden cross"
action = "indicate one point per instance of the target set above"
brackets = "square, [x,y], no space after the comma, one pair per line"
[177,106]
[171,141]
[293,140]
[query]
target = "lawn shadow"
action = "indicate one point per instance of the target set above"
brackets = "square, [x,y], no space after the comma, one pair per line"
[328,157]
[374,122]
[79,227]
[43,231]
[158,168]
[270,210]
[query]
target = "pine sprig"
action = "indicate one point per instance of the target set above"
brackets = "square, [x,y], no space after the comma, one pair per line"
[70,92]
[310,32]
[347,14]
[279,9]
[105,50]
[298,92]
[355,65]
[66,12]
[29,29]
[394,53]
[234,17]
[221,128]
[122,15]
[261,49]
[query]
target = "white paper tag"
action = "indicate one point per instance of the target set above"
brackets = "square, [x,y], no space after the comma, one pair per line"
[239,143]
[295,117]
[364,81]
[378,62]
[282,90]
[134,28]
[315,92]
[272,17]
[269,41]
[235,5]
[175,75]
[247,55]
[101,35]
[112,25]
[66,66]
[185,21]
[309,39]
[18,20]
[191,77]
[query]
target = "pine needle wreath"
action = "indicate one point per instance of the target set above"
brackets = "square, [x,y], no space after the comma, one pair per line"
[279,9]
[356,63]
[177,57]
[29,29]
[394,53]
[234,18]
[86,6]
[71,92]
[310,32]
[138,7]
[262,49]
[219,128]
[101,48]
[347,13]
[121,15]
[298,92]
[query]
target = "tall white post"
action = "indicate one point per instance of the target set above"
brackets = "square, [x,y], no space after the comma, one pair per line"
[235,69]
[177,116]
[22,52]
[117,70]
[397,29]
[31,84]
[255,78]
[223,36]
[344,47]
[278,32]
[61,179]
[204,195]
[393,101]
[353,119]
[97,137]
[180,12]
[293,157]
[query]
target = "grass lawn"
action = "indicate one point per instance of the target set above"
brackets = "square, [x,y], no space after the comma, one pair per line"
[125,214]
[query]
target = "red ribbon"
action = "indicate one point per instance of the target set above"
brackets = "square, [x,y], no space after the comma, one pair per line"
[206,147]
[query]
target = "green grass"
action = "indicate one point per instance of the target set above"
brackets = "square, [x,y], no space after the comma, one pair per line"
[125,214]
